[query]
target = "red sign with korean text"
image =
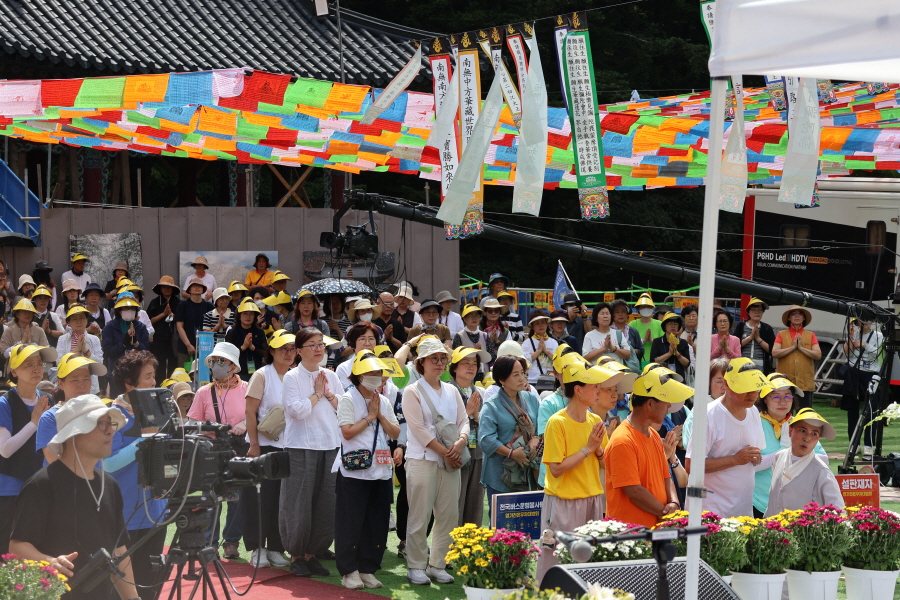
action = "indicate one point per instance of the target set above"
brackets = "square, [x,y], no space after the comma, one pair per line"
[860,490]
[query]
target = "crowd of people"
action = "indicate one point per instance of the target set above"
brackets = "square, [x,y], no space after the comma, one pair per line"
[458,403]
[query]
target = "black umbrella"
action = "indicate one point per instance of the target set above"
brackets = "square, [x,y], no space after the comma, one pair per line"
[337,286]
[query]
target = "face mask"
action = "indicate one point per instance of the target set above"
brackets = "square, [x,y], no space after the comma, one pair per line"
[474,331]
[128,315]
[645,312]
[260,304]
[371,382]
[366,317]
[220,371]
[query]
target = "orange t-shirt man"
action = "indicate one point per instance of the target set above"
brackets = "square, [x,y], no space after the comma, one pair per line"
[634,459]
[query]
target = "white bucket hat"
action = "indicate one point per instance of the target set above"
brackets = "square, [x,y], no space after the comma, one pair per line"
[228,352]
[430,345]
[512,348]
[220,292]
[79,416]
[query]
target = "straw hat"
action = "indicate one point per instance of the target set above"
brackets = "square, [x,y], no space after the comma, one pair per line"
[200,260]
[165,281]
[361,305]
[196,281]
[786,317]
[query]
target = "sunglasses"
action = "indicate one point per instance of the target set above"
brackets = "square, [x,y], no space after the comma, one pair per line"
[219,361]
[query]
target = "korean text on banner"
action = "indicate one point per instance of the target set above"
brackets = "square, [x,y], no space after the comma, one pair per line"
[733,183]
[453,210]
[528,189]
[205,343]
[587,142]
[860,489]
[518,511]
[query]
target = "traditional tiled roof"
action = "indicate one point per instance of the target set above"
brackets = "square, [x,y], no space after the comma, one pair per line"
[162,36]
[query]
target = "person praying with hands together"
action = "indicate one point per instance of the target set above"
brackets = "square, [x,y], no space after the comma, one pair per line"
[249,338]
[723,343]
[311,437]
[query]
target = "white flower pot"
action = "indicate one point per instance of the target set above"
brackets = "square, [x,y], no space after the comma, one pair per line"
[863,584]
[753,586]
[474,593]
[817,585]
[727,579]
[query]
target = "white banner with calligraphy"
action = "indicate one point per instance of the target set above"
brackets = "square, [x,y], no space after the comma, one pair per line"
[469,78]
[510,93]
[516,46]
[531,157]
[443,133]
[587,141]
[456,202]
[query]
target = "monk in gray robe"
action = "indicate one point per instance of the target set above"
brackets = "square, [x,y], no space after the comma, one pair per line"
[798,476]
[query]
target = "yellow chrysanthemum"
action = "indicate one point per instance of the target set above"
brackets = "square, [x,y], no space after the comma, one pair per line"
[464,568]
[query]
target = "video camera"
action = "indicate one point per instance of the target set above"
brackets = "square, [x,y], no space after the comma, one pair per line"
[356,242]
[180,460]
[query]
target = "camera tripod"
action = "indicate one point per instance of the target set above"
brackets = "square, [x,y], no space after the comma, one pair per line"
[192,555]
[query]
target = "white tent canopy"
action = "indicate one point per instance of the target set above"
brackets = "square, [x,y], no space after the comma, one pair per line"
[825,39]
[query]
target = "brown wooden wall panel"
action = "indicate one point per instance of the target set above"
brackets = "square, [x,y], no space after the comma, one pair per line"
[426,259]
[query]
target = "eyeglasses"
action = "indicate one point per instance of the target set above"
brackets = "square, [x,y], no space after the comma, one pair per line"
[440,360]
[219,361]
[775,398]
[318,346]
[289,349]
[107,425]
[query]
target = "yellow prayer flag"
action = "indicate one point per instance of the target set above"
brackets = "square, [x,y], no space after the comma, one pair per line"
[146,88]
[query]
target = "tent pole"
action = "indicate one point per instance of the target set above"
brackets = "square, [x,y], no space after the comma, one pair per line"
[705,319]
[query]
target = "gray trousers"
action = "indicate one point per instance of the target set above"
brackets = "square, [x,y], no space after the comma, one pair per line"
[471,493]
[306,512]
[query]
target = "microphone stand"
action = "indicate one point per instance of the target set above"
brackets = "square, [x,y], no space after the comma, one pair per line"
[660,539]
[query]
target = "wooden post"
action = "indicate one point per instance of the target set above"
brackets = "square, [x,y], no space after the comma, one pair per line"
[126,179]
[75,196]
[59,190]
[40,182]
[117,180]
[139,194]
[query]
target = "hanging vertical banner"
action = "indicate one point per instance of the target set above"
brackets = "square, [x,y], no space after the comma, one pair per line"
[516,46]
[733,184]
[453,38]
[560,29]
[801,162]
[446,102]
[587,141]
[396,87]
[456,203]
[815,199]
[492,44]
[775,86]
[468,75]
[791,91]
[531,158]
[708,14]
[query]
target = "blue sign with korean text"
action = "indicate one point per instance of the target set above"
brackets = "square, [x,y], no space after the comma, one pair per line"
[205,344]
[519,511]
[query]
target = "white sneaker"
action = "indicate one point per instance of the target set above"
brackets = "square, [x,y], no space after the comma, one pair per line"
[352,581]
[369,580]
[392,522]
[276,559]
[438,575]
[418,577]
[867,451]
[258,558]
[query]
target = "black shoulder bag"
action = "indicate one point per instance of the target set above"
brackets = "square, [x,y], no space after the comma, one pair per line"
[359,460]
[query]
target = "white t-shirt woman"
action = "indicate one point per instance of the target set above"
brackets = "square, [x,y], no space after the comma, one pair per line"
[594,340]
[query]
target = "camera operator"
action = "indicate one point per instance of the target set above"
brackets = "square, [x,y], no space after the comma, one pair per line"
[225,401]
[135,370]
[69,510]
[862,349]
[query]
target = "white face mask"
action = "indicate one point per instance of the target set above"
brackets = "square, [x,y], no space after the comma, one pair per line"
[474,331]
[260,304]
[128,315]
[371,382]
[365,317]
[645,312]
